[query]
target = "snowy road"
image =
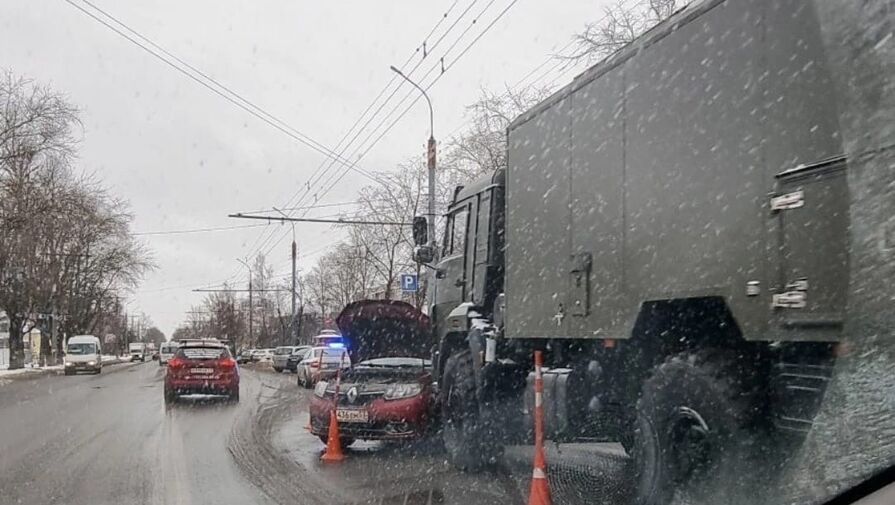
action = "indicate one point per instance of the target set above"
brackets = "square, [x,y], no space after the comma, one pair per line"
[108,439]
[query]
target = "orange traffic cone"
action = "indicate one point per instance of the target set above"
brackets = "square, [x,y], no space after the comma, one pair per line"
[333,453]
[540,488]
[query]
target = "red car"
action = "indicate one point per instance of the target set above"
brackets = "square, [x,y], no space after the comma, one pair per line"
[387,393]
[202,367]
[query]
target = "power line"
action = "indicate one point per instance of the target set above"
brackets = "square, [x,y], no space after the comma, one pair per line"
[438,77]
[333,181]
[239,101]
[321,220]
[198,230]
[370,119]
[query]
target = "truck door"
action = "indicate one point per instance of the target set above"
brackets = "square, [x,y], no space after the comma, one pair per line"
[450,280]
[810,220]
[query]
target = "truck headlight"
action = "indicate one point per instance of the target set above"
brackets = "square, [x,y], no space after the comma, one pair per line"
[320,389]
[399,391]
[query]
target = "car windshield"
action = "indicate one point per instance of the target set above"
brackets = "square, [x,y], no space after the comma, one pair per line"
[81,348]
[624,252]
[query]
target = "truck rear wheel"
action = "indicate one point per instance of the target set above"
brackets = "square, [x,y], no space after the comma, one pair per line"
[691,410]
[464,433]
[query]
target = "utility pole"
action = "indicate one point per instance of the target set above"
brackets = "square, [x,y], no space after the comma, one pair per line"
[293,334]
[292,316]
[251,312]
[430,157]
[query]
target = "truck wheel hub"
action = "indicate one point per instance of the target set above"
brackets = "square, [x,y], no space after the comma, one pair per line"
[691,444]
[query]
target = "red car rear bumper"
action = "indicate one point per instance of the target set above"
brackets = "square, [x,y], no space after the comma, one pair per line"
[219,385]
[386,419]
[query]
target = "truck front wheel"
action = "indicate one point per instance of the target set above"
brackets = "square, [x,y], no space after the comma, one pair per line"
[691,411]
[464,433]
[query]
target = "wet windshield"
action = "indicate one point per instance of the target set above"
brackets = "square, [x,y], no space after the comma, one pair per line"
[81,348]
[497,252]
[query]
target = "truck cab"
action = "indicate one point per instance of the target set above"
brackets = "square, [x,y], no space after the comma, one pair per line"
[137,350]
[468,271]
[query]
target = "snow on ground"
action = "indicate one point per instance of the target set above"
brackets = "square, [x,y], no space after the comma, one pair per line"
[29,369]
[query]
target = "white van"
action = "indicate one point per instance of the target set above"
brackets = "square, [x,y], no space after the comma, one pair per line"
[83,352]
[166,352]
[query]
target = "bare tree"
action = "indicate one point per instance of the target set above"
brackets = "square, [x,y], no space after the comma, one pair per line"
[621,23]
[65,243]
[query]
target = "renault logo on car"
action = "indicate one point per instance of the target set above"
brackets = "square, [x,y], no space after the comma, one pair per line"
[352,394]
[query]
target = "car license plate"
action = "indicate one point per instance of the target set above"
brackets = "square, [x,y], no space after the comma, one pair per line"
[351,416]
[201,371]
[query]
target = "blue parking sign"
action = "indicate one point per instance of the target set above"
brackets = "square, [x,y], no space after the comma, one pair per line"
[409,283]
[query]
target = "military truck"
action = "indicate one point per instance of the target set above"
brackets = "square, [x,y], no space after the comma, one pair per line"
[672,228]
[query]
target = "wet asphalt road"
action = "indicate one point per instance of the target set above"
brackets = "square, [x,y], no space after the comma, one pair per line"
[108,439]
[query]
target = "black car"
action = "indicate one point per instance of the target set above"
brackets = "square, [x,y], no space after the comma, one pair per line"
[296,356]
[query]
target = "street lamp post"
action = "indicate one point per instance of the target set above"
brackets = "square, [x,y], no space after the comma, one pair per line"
[430,156]
[251,313]
[294,255]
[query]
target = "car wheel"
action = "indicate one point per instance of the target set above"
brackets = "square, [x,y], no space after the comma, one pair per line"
[691,411]
[99,370]
[170,397]
[277,370]
[464,436]
[234,396]
[67,372]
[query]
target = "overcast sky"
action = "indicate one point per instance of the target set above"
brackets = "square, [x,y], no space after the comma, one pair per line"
[185,157]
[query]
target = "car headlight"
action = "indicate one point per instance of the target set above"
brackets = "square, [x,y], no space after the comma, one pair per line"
[399,391]
[69,363]
[91,363]
[320,389]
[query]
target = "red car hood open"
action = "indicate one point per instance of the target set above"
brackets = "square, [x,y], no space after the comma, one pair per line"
[385,328]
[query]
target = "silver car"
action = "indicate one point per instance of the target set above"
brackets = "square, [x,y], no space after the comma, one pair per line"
[320,363]
[280,359]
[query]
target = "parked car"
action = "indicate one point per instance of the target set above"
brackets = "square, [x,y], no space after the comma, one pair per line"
[321,363]
[245,356]
[280,357]
[327,337]
[296,356]
[203,367]
[388,394]
[83,352]
[166,352]
[262,354]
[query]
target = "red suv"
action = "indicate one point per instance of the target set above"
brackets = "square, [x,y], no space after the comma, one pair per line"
[202,367]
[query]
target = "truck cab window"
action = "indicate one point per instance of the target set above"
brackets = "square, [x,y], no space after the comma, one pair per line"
[457,239]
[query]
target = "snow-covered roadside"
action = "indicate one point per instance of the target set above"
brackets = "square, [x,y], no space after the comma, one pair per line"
[36,370]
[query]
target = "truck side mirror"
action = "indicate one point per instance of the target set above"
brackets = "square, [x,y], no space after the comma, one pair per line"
[420,231]
[424,254]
